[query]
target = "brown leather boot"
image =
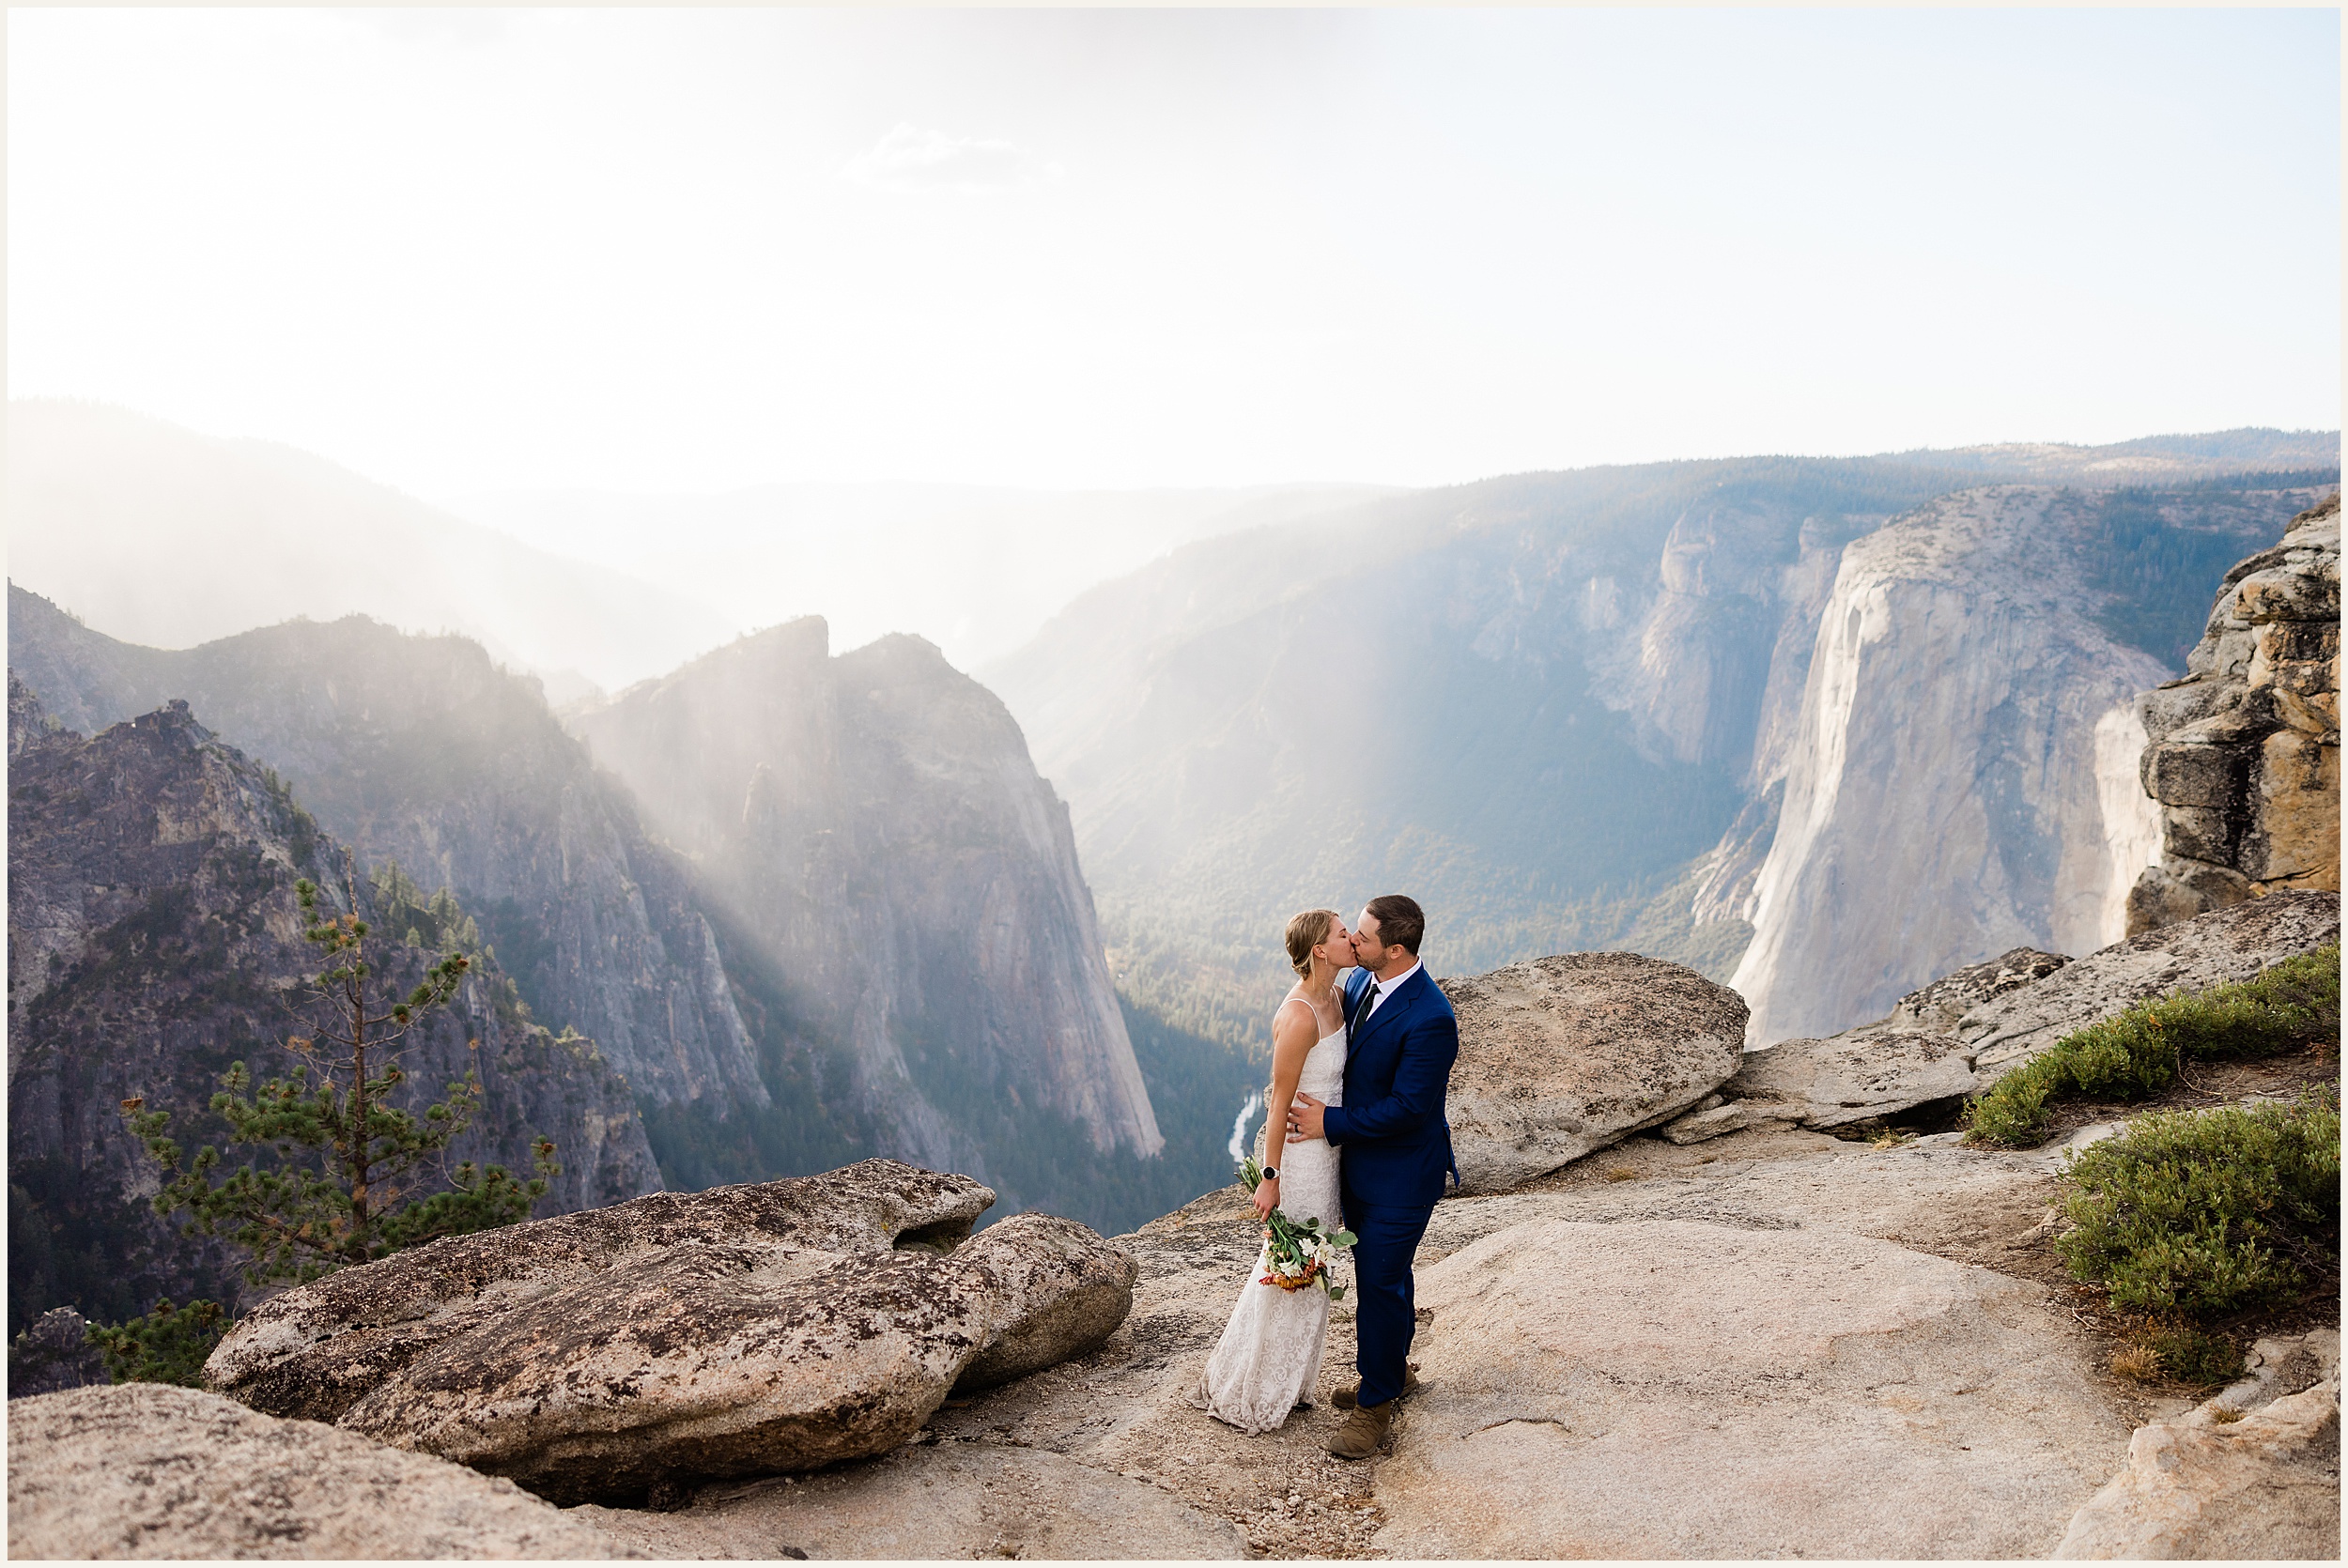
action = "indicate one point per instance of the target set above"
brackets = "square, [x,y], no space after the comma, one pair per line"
[1364,1431]
[1346,1398]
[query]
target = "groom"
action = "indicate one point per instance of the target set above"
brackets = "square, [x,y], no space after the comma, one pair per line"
[1394,1148]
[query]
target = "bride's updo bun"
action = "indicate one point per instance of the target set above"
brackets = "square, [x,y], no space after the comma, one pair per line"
[1305,933]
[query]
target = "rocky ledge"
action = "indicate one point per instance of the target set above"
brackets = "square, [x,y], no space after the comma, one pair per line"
[145,1470]
[1961,1034]
[1767,1341]
[630,1351]
[2253,1472]
[2244,753]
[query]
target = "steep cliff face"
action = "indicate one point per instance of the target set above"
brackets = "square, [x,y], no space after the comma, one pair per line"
[1579,683]
[152,926]
[1566,710]
[2243,754]
[1959,781]
[419,750]
[877,834]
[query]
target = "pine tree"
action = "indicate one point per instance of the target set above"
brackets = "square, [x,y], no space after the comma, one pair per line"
[347,1187]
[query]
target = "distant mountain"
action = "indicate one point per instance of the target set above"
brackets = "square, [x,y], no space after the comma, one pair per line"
[976,571]
[1562,709]
[902,893]
[418,750]
[762,996]
[158,536]
[151,929]
[2152,459]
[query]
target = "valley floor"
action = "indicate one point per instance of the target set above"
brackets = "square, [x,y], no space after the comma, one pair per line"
[1770,1344]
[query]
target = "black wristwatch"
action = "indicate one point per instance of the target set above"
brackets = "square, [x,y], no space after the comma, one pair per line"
[1271,1173]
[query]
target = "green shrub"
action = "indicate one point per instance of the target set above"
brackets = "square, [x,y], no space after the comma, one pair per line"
[2190,1216]
[170,1344]
[2136,1054]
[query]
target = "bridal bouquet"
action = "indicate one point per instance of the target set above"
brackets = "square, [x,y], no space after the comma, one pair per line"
[1295,1254]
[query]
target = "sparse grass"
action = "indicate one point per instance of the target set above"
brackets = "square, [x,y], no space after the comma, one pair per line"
[2182,1352]
[2138,1053]
[1622,1173]
[1890,1137]
[2225,1415]
[2191,1218]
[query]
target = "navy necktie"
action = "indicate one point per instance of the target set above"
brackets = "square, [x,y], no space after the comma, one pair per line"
[1369,999]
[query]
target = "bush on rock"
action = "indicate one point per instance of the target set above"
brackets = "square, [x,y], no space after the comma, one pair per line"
[2136,1054]
[2190,1217]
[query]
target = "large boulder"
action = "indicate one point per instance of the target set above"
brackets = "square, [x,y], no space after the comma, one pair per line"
[745,1330]
[2227,944]
[1590,1385]
[1562,1055]
[316,1351]
[147,1470]
[715,1362]
[2253,1473]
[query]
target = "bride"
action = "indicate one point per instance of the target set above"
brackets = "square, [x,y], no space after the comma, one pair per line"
[1268,1362]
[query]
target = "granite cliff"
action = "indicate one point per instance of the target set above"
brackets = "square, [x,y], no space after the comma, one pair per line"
[1968,726]
[1966,729]
[152,926]
[907,889]
[2243,754]
[419,750]
[1594,692]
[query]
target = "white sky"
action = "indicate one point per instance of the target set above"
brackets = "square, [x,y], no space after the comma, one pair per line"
[468,250]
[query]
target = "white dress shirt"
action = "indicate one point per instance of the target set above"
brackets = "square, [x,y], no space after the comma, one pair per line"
[1387,989]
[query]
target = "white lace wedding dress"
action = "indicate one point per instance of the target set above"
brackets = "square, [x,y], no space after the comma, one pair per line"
[1268,1357]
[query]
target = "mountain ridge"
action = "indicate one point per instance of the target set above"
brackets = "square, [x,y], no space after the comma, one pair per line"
[165,537]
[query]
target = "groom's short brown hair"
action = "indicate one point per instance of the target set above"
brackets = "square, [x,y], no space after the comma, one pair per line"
[1401,922]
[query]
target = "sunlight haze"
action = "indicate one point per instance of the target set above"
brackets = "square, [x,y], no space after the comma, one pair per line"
[468,253]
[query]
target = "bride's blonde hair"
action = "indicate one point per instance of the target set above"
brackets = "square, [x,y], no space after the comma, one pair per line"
[1305,933]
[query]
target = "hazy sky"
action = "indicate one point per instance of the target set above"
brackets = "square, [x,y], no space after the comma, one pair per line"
[466,251]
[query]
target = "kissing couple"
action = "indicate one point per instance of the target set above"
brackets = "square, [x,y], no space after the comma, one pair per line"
[1361,1048]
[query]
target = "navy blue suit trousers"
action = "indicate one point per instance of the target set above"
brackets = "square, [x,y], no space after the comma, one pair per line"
[1385,1314]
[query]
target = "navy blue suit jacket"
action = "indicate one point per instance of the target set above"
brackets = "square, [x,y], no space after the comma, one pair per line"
[1393,1144]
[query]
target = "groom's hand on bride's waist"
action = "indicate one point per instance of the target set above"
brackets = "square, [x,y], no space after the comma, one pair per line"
[1306,1118]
